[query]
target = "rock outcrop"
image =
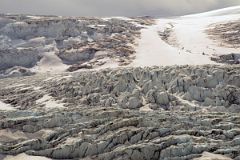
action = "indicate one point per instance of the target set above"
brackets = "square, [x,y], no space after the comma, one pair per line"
[233,58]
[226,34]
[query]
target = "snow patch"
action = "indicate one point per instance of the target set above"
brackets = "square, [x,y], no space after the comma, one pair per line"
[49,102]
[6,107]
[50,63]
[25,157]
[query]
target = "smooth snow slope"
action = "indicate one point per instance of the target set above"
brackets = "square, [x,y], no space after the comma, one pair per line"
[190,33]
[152,51]
[192,47]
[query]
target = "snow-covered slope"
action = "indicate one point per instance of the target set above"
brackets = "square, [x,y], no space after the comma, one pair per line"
[184,39]
[152,51]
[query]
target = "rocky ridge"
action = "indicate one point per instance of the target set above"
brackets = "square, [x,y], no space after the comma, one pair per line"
[233,58]
[226,33]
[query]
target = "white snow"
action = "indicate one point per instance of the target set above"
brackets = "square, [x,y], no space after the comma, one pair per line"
[190,33]
[49,102]
[194,47]
[211,156]
[117,17]
[50,63]
[5,107]
[145,108]
[152,50]
[24,156]
[34,17]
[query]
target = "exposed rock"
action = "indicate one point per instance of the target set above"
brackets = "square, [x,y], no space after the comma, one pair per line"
[233,58]
[16,72]
[77,67]
[227,34]
[162,98]
[168,35]
[134,103]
